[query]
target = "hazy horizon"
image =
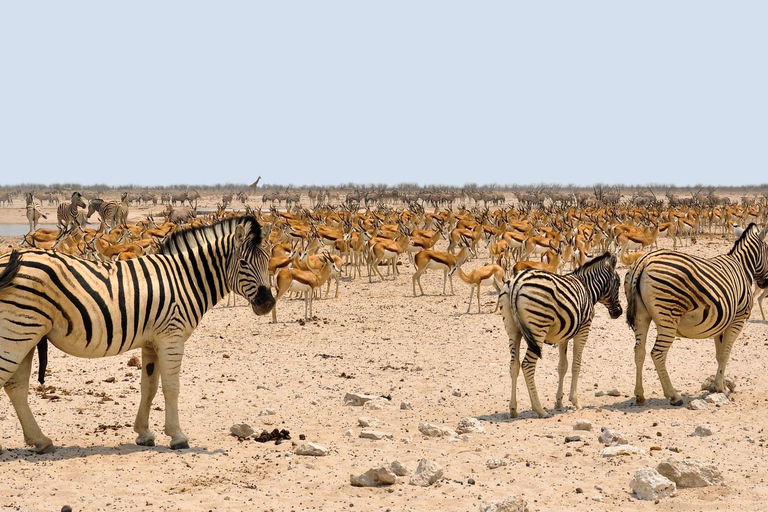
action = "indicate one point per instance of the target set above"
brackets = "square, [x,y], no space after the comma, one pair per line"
[425,92]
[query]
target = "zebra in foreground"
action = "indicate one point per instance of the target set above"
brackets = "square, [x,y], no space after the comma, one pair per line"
[68,213]
[695,298]
[91,309]
[550,308]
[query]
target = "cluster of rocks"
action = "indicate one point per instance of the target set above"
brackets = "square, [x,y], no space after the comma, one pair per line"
[510,504]
[427,473]
[672,474]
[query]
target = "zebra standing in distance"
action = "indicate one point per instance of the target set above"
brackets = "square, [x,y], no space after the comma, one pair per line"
[94,309]
[33,212]
[549,308]
[109,211]
[68,213]
[695,298]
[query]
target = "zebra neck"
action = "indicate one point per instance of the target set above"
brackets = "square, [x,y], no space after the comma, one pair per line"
[591,283]
[746,254]
[205,267]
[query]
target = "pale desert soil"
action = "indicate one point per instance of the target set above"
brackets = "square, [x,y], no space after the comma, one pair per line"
[381,340]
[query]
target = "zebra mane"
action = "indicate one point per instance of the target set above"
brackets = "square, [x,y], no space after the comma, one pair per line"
[595,262]
[188,238]
[747,233]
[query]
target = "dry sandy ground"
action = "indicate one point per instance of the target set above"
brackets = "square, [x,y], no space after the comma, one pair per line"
[377,338]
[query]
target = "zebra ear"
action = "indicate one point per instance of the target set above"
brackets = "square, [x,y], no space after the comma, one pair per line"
[239,235]
[763,232]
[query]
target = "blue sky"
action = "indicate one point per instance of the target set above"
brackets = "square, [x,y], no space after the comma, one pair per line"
[155,93]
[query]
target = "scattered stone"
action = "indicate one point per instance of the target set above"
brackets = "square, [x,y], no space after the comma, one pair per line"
[267,412]
[309,465]
[717,399]
[599,393]
[649,484]
[458,392]
[702,431]
[135,362]
[376,404]
[612,437]
[467,425]
[357,399]
[365,421]
[311,450]
[613,392]
[109,379]
[690,473]
[582,425]
[698,405]
[398,468]
[709,384]
[427,473]
[572,439]
[374,477]
[622,449]
[510,504]
[406,405]
[496,463]
[241,431]
[376,435]
[432,430]
[348,433]
[655,448]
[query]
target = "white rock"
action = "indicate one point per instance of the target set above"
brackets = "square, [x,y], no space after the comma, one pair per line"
[495,463]
[374,477]
[406,405]
[376,404]
[311,449]
[427,473]
[241,430]
[375,434]
[267,412]
[612,437]
[599,393]
[698,405]
[348,433]
[510,504]
[582,425]
[702,431]
[467,425]
[432,430]
[398,468]
[357,399]
[365,421]
[622,449]
[649,484]
[717,399]
[690,473]
[613,392]
[458,392]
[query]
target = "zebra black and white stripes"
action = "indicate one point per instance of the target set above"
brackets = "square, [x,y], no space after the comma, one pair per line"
[693,297]
[91,309]
[549,308]
[68,213]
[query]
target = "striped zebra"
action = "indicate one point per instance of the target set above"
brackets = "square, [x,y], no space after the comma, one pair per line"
[34,212]
[68,213]
[695,298]
[109,212]
[550,308]
[94,309]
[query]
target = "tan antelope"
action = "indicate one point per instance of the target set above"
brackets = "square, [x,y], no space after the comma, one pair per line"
[303,281]
[388,251]
[439,260]
[488,275]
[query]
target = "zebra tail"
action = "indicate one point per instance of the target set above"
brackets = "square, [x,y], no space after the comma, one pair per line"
[11,269]
[527,335]
[632,290]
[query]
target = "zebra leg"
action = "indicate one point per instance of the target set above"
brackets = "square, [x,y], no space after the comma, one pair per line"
[723,346]
[17,388]
[529,369]
[150,378]
[515,335]
[169,361]
[664,339]
[562,368]
[579,342]
[642,323]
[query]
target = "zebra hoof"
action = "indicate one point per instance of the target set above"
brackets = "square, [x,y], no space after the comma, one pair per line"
[640,401]
[145,441]
[676,403]
[44,447]
[180,446]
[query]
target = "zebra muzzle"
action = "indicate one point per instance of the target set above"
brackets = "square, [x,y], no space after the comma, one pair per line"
[263,302]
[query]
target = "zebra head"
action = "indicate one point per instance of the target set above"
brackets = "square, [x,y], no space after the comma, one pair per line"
[93,207]
[77,199]
[249,267]
[608,283]
[761,263]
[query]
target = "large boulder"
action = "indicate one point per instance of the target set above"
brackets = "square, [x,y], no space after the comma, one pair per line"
[649,484]
[690,473]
